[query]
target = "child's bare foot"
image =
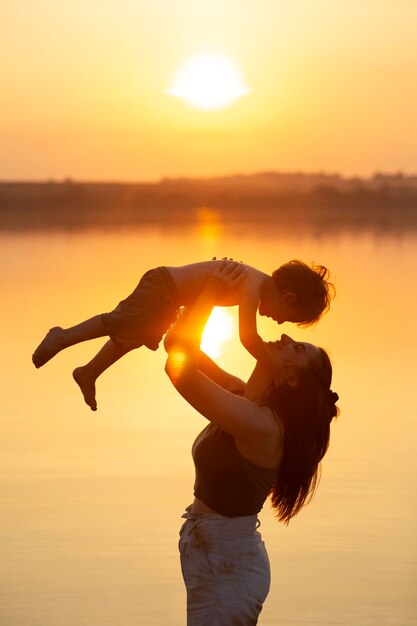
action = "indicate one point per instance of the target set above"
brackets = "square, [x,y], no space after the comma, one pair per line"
[87,386]
[49,347]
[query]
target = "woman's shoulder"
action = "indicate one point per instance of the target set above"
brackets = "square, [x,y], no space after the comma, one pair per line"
[266,451]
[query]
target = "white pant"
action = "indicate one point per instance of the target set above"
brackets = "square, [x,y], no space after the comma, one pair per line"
[225,568]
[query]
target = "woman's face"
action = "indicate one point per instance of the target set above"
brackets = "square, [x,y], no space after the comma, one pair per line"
[296,354]
[288,358]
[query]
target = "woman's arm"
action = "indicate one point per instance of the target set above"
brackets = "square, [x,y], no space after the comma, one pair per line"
[242,418]
[221,377]
[185,334]
[205,364]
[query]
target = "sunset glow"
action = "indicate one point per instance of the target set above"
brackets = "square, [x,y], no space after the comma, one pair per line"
[208,81]
[171,88]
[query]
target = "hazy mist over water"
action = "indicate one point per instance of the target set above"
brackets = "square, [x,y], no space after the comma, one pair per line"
[91,502]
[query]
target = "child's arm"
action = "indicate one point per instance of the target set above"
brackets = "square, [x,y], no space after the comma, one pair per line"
[248,332]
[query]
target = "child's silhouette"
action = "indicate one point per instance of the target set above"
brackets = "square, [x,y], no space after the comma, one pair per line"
[294,293]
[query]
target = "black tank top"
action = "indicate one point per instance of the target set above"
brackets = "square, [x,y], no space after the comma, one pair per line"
[226,481]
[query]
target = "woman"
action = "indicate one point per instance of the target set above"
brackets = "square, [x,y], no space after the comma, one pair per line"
[264,438]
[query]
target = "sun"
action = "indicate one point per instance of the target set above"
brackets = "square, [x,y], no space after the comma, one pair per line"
[208,81]
[218,329]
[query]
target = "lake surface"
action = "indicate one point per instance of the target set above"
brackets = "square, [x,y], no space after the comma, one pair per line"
[91,502]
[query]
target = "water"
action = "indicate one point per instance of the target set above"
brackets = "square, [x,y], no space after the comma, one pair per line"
[91,502]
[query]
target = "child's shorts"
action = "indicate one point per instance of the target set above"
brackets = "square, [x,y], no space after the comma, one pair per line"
[143,318]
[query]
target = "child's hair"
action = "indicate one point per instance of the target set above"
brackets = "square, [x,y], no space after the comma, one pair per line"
[311,286]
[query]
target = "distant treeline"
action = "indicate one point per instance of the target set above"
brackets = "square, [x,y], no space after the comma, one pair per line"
[383,202]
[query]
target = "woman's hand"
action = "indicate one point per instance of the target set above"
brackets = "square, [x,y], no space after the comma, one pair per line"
[227,275]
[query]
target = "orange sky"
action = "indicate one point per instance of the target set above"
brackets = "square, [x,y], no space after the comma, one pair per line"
[334,87]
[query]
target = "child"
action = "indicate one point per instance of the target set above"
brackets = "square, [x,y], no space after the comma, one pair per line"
[294,293]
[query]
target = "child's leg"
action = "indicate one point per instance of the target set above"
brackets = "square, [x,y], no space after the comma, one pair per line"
[87,375]
[59,338]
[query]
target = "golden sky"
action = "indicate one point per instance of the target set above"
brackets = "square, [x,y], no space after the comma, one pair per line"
[84,88]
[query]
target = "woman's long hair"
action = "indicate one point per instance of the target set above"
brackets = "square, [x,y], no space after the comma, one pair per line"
[305,412]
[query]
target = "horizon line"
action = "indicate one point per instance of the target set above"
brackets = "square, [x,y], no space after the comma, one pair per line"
[396,174]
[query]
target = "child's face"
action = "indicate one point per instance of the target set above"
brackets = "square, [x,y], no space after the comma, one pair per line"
[281,307]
